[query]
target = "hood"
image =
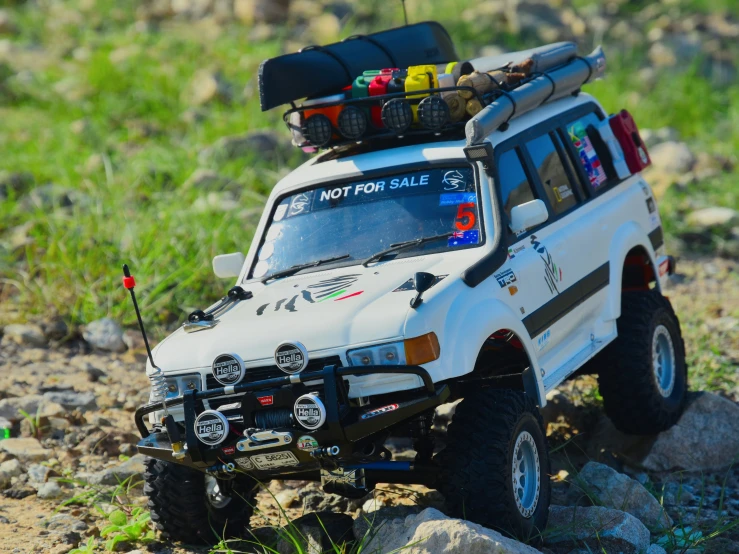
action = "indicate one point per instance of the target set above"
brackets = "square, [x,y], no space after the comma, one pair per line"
[323,310]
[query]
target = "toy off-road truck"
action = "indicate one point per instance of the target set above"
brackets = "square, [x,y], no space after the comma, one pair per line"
[474,230]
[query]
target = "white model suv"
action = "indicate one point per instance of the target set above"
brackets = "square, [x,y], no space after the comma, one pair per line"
[384,282]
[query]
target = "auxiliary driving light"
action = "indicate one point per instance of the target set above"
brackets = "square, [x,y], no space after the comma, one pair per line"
[433,112]
[397,115]
[317,129]
[352,122]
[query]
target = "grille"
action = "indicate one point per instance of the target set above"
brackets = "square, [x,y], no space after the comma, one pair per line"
[265,372]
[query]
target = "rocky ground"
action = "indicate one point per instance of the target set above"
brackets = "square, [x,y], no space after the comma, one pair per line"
[69,407]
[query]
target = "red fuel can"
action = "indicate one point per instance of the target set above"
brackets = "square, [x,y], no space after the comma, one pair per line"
[627,133]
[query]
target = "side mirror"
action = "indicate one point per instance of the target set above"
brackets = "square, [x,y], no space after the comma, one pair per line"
[228,265]
[528,215]
[422,282]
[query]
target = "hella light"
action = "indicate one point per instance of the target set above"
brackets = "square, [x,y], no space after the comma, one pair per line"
[317,129]
[433,112]
[397,115]
[352,122]
[382,354]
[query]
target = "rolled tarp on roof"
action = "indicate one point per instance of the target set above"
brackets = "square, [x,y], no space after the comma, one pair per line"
[550,86]
[321,70]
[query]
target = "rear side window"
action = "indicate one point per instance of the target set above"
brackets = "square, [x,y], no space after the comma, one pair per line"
[554,178]
[589,159]
[515,188]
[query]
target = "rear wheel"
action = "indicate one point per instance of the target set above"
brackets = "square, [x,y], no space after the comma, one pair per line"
[495,467]
[189,506]
[643,375]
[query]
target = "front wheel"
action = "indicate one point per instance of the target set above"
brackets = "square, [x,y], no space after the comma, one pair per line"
[495,468]
[189,506]
[643,375]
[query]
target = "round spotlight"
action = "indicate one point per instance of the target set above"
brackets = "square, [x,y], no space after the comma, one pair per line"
[352,122]
[433,112]
[317,129]
[397,115]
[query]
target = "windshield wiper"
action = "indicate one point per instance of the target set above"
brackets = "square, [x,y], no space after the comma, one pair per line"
[294,269]
[402,246]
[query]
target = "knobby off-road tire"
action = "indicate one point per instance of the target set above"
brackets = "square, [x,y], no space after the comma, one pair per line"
[181,509]
[643,375]
[478,477]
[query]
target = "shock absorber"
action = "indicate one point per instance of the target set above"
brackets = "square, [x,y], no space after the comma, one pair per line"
[157,378]
[423,442]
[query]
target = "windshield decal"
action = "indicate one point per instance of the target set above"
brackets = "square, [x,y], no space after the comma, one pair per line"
[454,198]
[454,180]
[459,238]
[335,288]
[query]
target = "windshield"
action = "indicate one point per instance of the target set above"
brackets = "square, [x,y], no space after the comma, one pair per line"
[359,219]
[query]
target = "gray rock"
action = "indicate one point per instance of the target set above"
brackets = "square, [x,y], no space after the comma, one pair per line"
[10,408]
[652,137]
[50,491]
[601,485]
[8,470]
[705,438]
[133,467]
[596,528]
[38,474]
[105,334]
[55,329]
[72,400]
[205,87]
[317,533]
[656,549]
[25,449]
[24,334]
[672,157]
[263,145]
[375,516]
[261,11]
[64,522]
[431,532]
[714,217]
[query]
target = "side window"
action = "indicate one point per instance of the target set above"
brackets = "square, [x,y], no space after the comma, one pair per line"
[554,178]
[514,186]
[577,132]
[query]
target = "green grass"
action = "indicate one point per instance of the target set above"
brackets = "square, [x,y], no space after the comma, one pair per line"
[112,129]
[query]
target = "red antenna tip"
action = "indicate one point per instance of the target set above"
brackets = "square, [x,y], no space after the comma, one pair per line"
[129,282]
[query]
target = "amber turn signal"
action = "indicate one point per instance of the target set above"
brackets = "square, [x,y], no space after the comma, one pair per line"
[422,350]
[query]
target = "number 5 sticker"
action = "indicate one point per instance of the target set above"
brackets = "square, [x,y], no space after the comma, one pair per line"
[465,211]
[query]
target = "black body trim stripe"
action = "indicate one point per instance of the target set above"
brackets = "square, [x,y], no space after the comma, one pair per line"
[656,238]
[567,300]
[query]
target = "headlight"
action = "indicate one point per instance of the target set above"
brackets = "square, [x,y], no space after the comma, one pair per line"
[415,351]
[177,384]
[392,353]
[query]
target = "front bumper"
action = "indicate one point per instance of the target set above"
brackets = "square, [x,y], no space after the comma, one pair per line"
[275,451]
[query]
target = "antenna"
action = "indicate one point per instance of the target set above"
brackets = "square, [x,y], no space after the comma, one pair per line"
[130,283]
[405,13]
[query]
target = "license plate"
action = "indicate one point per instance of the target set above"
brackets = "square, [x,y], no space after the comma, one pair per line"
[272,461]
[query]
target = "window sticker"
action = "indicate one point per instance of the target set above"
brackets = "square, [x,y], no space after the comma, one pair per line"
[280,212]
[465,216]
[454,180]
[261,269]
[561,192]
[588,157]
[273,232]
[300,203]
[454,198]
[459,238]
[268,248]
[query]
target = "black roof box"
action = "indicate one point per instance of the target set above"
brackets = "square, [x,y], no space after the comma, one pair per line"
[321,70]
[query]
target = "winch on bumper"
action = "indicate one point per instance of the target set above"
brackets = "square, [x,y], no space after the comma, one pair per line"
[329,436]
